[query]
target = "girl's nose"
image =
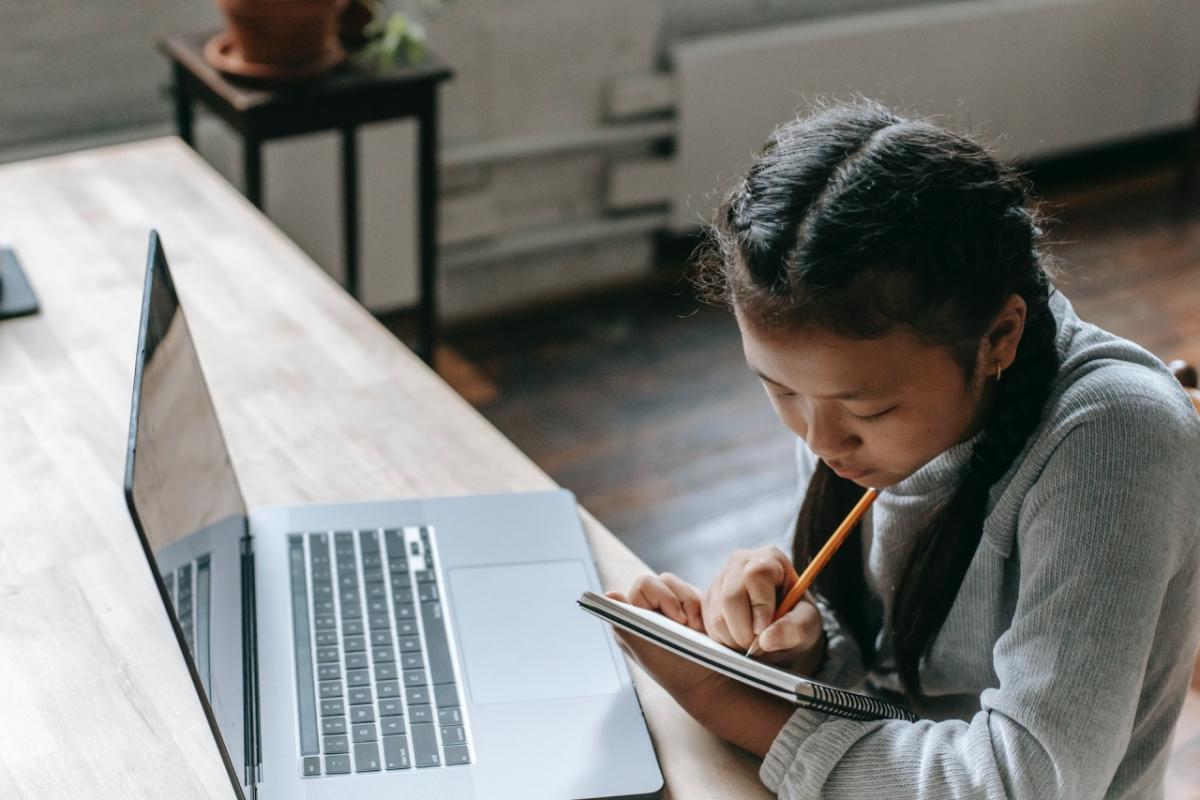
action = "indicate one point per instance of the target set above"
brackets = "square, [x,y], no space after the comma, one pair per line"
[828,437]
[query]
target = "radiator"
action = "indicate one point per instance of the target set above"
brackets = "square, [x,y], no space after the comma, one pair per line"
[1033,77]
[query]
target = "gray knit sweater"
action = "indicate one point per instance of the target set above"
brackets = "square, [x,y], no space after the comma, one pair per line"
[1063,664]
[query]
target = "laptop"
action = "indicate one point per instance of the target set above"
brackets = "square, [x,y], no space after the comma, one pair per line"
[422,649]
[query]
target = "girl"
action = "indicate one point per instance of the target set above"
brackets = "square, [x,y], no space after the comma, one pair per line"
[1027,580]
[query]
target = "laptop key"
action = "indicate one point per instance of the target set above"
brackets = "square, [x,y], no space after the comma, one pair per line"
[302,648]
[385,671]
[381,638]
[360,696]
[401,579]
[382,654]
[406,627]
[440,667]
[446,695]
[389,726]
[364,732]
[425,746]
[457,754]
[417,696]
[337,765]
[356,660]
[427,592]
[358,677]
[373,575]
[376,591]
[327,654]
[395,752]
[362,713]
[366,757]
[311,766]
[410,644]
[404,611]
[390,708]
[414,677]
[337,744]
[326,638]
[422,713]
[388,689]
[324,622]
[411,661]
[377,607]
[453,734]
[355,644]
[334,707]
[379,622]
[352,627]
[328,672]
[333,725]
[402,595]
[352,612]
[330,689]
[449,716]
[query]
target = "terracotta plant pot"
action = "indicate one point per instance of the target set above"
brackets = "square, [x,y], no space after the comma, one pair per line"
[283,32]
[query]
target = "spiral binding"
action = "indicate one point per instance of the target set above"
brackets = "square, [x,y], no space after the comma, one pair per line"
[853,705]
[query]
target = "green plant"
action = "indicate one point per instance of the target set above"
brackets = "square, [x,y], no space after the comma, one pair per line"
[396,34]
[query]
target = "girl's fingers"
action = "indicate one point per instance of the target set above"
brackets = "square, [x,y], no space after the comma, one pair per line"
[649,591]
[689,598]
[763,576]
[712,604]
[800,628]
[735,608]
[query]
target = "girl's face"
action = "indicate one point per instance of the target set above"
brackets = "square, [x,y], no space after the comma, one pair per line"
[876,410]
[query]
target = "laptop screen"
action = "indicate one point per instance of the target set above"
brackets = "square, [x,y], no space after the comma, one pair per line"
[186,504]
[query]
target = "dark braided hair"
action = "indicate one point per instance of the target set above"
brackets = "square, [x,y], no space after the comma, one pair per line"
[859,221]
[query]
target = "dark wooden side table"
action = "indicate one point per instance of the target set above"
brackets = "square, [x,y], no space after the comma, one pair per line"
[341,100]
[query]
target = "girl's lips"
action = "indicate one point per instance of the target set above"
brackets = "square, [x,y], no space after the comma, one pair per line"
[849,474]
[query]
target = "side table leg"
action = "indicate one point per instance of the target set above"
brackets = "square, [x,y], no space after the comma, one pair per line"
[183,106]
[350,207]
[252,170]
[427,224]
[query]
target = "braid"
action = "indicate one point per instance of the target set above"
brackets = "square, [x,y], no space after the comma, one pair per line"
[948,544]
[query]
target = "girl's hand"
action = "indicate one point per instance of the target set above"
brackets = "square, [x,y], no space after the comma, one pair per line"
[678,600]
[742,601]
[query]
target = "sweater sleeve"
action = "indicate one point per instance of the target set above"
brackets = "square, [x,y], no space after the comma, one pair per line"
[1101,533]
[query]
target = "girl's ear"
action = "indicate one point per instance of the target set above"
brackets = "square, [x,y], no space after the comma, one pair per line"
[1004,334]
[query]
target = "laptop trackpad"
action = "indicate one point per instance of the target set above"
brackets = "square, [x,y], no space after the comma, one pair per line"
[523,635]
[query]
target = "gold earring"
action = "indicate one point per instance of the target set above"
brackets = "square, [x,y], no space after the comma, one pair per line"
[999,369]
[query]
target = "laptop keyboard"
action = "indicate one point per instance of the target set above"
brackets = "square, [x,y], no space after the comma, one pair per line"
[376,683]
[190,589]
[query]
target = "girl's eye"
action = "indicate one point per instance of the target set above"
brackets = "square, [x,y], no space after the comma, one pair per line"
[874,417]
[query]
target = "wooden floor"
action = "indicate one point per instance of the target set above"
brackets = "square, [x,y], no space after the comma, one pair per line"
[641,403]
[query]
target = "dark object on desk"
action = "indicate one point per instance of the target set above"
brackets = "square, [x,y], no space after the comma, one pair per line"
[16,294]
[340,100]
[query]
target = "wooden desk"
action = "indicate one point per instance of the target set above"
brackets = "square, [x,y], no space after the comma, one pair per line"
[318,403]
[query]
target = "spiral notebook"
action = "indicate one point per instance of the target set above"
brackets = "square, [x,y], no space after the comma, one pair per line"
[664,632]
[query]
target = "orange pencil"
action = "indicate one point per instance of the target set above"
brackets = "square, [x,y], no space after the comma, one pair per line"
[817,564]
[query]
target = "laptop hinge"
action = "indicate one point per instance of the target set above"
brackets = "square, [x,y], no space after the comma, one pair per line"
[252,729]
